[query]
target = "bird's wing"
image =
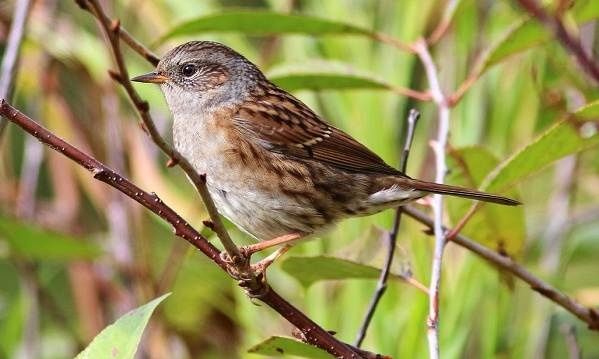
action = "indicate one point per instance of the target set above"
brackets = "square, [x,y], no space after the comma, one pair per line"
[281,123]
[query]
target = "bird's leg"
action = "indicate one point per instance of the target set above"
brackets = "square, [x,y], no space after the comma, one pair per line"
[261,266]
[260,246]
[238,267]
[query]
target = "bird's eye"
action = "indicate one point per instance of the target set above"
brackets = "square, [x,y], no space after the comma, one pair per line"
[189,70]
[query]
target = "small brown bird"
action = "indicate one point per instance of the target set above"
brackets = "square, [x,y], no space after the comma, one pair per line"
[274,167]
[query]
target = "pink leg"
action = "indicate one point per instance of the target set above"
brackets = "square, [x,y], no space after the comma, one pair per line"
[260,246]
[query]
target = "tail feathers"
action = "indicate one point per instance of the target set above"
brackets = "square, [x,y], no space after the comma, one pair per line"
[456,191]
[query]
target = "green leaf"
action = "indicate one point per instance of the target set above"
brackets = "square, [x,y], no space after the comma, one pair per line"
[120,339]
[589,111]
[521,36]
[32,242]
[564,138]
[251,22]
[308,270]
[11,324]
[283,346]
[496,226]
[324,75]
[585,10]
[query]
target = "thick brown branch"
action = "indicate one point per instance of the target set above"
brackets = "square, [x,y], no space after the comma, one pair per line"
[587,315]
[314,333]
[568,41]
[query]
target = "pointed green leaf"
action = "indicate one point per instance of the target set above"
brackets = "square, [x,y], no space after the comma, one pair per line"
[30,241]
[120,339]
[564,138]
[589,111]
[585,10]
[283,346]
[498,227]
[521,36]
[324,75]
[251,22]
[308,270]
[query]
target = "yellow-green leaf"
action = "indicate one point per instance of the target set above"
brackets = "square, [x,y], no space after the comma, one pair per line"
[324,75]
[564,138]
[589,111]
[120,339]
[253,22]
[30,241]
[308,270]
[521,36]
[499,227]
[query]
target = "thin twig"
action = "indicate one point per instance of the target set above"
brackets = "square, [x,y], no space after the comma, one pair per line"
[314,334]
[112,29]
[443,25]
[588,315]
[437,203]
[8,69]
[569,332]
[123,34]
[381,286]
[390,40]
[568,41]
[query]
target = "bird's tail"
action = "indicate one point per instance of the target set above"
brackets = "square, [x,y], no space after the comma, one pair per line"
[455,191]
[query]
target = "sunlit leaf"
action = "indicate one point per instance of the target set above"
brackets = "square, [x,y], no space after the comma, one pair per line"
[589,111]
[498,227]
[252,22]
[283,346]
[11,325]
[585,10]
[308,270]
[120,339]
[30,241]
[321,75]
[564,138]
[521,36]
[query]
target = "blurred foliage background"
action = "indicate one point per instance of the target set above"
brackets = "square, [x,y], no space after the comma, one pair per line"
[75,254]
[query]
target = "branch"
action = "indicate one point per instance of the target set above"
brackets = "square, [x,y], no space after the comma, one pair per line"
[314,334]
[123,34]
[8,69]
[381,286]
[568,41]
[441,168]
[113,32]
[588,315]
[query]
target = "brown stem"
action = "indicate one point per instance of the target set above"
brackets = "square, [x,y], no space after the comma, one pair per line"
[381,286]
[124,35]
[314,333]
[568,41]
[113,30]
[587,315]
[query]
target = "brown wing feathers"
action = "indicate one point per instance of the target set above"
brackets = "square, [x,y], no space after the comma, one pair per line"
[295,130]
[281,123]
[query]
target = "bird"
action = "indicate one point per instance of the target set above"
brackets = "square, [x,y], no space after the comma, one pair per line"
[273,167]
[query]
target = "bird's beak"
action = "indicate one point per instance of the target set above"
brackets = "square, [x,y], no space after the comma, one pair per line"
[152,77]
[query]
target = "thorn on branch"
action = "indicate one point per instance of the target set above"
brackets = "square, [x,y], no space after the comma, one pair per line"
[172,162]
[203,178]
[115,76]
[143,106]
[209,224]
[115,26]
[82,4]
